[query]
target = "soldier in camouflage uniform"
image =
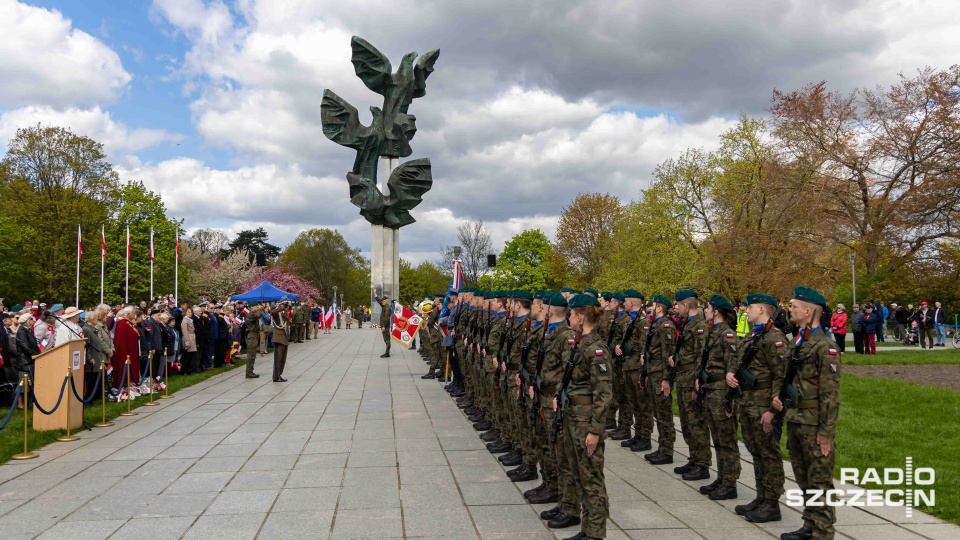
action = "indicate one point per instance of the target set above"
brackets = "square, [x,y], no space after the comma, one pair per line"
[625,417]
[386,315]
[812,423]
[662,339]
[434,340]
[557,345]
[588,395]
[605,329]
[252,322]
[520,356]
[722,359]
[548,491]
[756,405]
[637,326]
[428,341]
[495,340]
[693,422]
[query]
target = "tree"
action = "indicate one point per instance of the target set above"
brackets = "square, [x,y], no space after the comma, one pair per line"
[585,235]
[523,264]
[889,158]
[474,246]
[211,241]
[420,281]
[221,277]
[255,243]
[286,278]
[324,259]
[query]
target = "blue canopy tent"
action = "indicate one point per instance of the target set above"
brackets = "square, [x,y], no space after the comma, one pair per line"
[266,292]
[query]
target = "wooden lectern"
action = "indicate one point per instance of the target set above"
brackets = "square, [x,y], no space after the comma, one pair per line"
[50,367]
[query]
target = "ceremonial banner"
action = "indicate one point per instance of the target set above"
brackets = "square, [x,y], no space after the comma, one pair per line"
[406,323]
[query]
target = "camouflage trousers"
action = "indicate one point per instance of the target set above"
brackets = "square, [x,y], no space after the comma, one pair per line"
[545,454]
[568,483]
[621,409]
[765,449]
[639,403]
[812,471]
[521,421]
[253,347]
[662,407]
[595,507]
[696,431]
[386,339]
[723,431]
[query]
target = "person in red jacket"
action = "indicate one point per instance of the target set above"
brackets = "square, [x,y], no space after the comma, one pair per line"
[838,325]
[126,343]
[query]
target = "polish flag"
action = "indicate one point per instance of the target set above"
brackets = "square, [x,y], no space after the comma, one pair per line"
[151,243]
[329,320]
[79,244]
[128,243]
[103,244]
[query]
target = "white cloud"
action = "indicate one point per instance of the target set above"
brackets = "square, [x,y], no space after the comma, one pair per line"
[45,61]
[118,139]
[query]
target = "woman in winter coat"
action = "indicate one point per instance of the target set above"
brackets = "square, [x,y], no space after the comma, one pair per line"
[27,346]
[99,349]
[191,359]
[838,325]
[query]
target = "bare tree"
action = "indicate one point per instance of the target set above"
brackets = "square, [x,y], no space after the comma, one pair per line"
[210,241]
[474,246]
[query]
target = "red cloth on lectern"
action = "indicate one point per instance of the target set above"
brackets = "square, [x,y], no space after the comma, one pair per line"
[126,341]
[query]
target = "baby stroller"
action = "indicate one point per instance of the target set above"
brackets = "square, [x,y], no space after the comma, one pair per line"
[912,336]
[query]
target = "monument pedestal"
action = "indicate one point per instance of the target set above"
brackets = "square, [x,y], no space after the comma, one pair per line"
[384,252]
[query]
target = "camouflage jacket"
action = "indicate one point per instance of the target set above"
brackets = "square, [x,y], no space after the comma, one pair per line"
[252,323]
[534,342]
[518,332]
[592,378]
[722,356]
[768,367]
[430,332]
[692,337]
[638,338]
[498,325]
[556,346]
[663,339]
[818,381]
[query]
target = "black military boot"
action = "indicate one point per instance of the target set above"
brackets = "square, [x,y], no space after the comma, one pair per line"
[610,425]
[799,534]
[768,511]
[684,468]
[554,512]
[515,459]
[620,435]
[629,442]
[742,509]
[529,473]
[723,493]
[699,472]
[546,496]
[499,448]
[563,520]
[578,536]
[710,487]
[491,435]
[482,425]
[662,459]
[640,445]
[509,455]
[651,455]
[513,472]
[530,492]
[430,375]
[478,417]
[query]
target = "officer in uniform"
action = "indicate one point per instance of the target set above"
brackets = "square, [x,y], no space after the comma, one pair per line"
[693,422]
[252,322]
[588,395]
[547,491]
[756,408]
[622,405]
[386,315]
[521,355]
[439,358]
[281,325]
[427,338]
[636,326]
[499,332]
[722,359]
[812,423]
[662,341]
[605,329]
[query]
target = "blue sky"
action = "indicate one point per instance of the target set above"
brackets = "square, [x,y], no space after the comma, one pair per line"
[214,104]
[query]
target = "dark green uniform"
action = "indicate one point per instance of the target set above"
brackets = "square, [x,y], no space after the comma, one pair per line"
[722,359]
[662,338]
[557,344]
[639,400]
[252,322]
[385,317]
[696,432]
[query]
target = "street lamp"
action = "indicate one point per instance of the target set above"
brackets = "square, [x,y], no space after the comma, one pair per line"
[853,273]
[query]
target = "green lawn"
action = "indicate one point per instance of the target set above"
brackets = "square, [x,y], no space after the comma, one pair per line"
[11,438]
[938,355]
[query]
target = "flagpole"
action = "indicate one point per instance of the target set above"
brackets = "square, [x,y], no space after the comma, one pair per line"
[126,291]
[103,256]
[176,267]
[151,264]
[79,251]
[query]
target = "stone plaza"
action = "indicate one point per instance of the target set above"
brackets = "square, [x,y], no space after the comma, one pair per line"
[353,446]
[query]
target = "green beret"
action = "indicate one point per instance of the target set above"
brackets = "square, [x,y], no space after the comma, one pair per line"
[17,308]
[760,298]
[568,290]
[807,294]
[606,295]
[523,295]
[720,302]
[539,295]
[619,296]
[583,300]
[254,304]
[683,294]
[633,293]
[555,299]
[592,291]
[661,299]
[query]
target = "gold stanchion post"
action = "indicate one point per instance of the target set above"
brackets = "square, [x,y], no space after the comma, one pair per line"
[166,381]
[103,397]
[68,437]
[447,369]
[151,403]
[128,412]
[26,409]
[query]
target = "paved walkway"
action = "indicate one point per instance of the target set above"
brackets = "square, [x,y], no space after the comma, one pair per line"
[353,446]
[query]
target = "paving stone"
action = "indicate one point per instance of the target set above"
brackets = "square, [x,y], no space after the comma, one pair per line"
[368,523]
[225,527]
[241,502]
[297,525]
[307,499]
[490,493]
[82,530]
[156,528]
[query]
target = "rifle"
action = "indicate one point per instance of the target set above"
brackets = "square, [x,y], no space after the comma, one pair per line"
[537,376]
[505,357]
[613,324]
[498,356]
[743,374]
[561,395]
[525,377]
[625,346]
[789,395]
[646,357]
[676,352]
[702,370]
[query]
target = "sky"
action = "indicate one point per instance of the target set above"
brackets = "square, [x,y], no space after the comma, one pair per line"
[215,104]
